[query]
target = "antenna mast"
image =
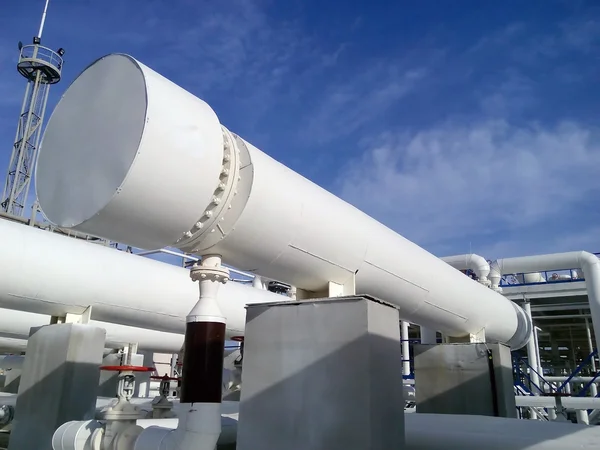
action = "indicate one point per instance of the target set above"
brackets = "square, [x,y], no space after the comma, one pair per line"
[42,68]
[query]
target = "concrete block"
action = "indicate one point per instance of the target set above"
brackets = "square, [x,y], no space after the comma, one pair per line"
[456,379]
[322,375]
[59,382]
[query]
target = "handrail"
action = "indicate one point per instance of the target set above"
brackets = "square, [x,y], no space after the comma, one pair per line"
[547,279]
[578,369]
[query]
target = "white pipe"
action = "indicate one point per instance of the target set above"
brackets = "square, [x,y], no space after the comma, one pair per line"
[11,362]
[460,432]
[572,380]
[532,356]
[268,220]
[120,287]
[593,386]
[156,433]
[17,324]
[587,262]
[422,431]
[471,261]
[582,416]
[12,345]
[405,348]
[550,402]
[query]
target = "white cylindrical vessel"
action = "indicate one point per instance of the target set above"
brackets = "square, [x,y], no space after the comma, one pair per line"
[158,170]
[52,275]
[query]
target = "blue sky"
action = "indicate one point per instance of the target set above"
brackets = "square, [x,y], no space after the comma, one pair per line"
[466,125]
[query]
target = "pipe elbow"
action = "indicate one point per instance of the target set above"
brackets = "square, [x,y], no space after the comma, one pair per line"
[524,329]
[587,261]
[495,275]
[481,267]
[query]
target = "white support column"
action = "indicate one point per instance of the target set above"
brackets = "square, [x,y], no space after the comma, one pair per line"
[532,354]
[593,387]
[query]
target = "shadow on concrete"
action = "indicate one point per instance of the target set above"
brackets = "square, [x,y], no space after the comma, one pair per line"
[58,384]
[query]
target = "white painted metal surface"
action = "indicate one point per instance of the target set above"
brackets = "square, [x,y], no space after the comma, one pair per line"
[476,263]
[587,262]
[12,345]
[460,432]
[49,274]
[169,184]
[16,324]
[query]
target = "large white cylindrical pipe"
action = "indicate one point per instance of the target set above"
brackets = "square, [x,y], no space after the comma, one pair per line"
[69,275]
[12,345]
[470,261]
[153,172]
[453,431]
[16,324]
[587,262]
[423,432]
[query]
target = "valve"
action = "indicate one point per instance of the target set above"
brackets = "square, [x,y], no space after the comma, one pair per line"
[161,405]
[126,386]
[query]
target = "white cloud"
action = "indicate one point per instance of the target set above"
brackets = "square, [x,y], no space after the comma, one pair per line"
[460,180]
[361,98]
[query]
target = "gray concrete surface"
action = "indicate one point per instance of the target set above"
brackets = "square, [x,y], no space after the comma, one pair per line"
[59,382]
[455,379]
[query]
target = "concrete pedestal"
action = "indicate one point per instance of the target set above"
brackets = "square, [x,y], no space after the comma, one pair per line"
[322,375]
[461,379]
[59,382]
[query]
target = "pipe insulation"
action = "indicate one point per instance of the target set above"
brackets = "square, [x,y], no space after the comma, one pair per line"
[71,275]
[423,432]
[587,262]
[159,170]
[470,261]
[17,324]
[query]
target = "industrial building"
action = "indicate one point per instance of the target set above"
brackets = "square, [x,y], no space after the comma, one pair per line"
[293,321]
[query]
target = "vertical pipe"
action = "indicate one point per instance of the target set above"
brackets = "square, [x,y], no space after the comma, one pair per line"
[43,21]
[532,354]
[539,368]
[202,372]
[582,416]
[428,336]
[593,387]
[405,350]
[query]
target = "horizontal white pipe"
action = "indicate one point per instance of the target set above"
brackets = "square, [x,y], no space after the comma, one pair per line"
[430,432]
[12,345]
[52,275]
[550,402]
[219,194]
[17,324]
[572,380]
[470,261]
[460,432]
[11,362]
[587,262]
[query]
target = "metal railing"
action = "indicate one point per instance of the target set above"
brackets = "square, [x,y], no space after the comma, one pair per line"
[566,275]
